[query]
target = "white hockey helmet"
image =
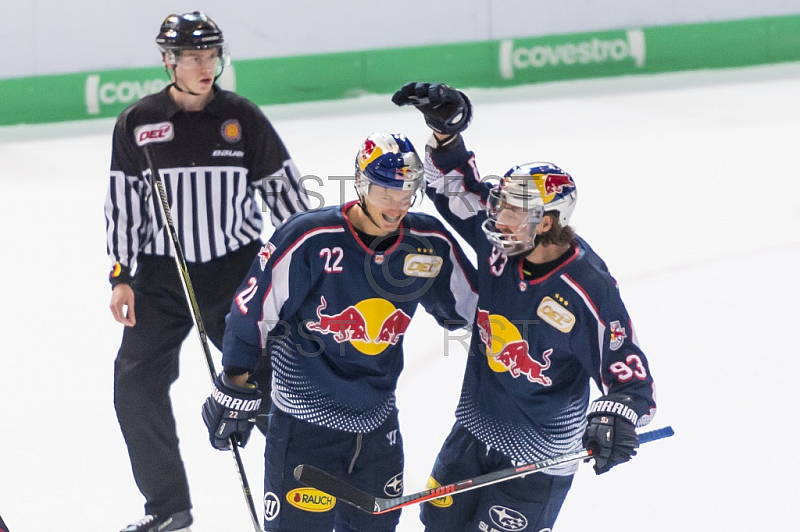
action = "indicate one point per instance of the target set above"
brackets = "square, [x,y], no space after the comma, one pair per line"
[531,190]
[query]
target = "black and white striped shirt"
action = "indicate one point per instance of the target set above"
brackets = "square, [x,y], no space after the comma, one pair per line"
[218,159]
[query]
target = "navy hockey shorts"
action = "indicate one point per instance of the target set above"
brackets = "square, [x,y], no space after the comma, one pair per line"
[373,462]
[528,503]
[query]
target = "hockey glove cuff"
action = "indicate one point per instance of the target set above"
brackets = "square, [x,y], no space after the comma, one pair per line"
[611,431]
[447,111]
[230,411]
[448,144]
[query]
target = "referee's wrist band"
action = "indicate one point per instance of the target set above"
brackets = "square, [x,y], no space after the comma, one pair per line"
[119,274]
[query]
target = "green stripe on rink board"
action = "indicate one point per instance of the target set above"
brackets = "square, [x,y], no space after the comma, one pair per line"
[497,63]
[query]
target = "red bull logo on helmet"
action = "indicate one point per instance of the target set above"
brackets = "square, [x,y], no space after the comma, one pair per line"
[553,185]
[370,325]
[367,154]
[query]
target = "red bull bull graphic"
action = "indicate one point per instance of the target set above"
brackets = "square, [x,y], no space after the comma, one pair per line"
[507,351]
[345,326]
[484,324]
[367,153]
[517,358]
[555,183]
[370,325]
[393,327]
[265,254]
[617,335]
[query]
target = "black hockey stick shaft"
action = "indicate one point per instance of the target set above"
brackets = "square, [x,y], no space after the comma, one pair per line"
[157,184]
[344,491]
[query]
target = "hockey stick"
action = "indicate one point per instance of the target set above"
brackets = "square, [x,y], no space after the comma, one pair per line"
[164,132]
[344,491]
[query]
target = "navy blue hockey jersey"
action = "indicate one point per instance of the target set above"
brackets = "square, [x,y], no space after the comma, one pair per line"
[332,312]
[536,344]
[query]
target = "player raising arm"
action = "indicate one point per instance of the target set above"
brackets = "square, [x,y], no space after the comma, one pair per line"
[330,298]
[550,319]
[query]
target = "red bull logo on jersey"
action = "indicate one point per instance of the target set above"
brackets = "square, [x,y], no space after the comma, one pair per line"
[265,254]
[484,324]
[370,325]
[507,351]
[393,327]
[346,325]
[617,335]
[517,359]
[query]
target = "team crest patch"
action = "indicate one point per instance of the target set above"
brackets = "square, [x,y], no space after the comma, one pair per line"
[617,335]
[231,130]
[264,255]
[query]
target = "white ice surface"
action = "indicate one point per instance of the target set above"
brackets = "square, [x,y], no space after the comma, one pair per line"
[689,189]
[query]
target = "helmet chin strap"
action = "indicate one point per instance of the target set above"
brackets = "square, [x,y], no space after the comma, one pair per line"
[187,91]
[174,76]
[363,204]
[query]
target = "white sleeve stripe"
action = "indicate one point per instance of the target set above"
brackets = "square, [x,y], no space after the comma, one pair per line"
[601,326]
[461,202]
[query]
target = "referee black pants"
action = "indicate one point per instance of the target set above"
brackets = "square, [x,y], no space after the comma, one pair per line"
[147,365]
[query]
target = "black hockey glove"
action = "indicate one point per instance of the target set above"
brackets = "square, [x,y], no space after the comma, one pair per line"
[447,111]
[230,411]
[611,432]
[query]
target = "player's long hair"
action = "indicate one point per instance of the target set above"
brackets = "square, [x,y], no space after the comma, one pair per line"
[557,235]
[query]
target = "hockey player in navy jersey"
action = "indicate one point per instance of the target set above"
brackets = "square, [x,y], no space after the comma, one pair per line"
[329,299]
[550,320]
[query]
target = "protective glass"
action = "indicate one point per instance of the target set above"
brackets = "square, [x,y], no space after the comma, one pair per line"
[391,199]
[511,229]
[195,59]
